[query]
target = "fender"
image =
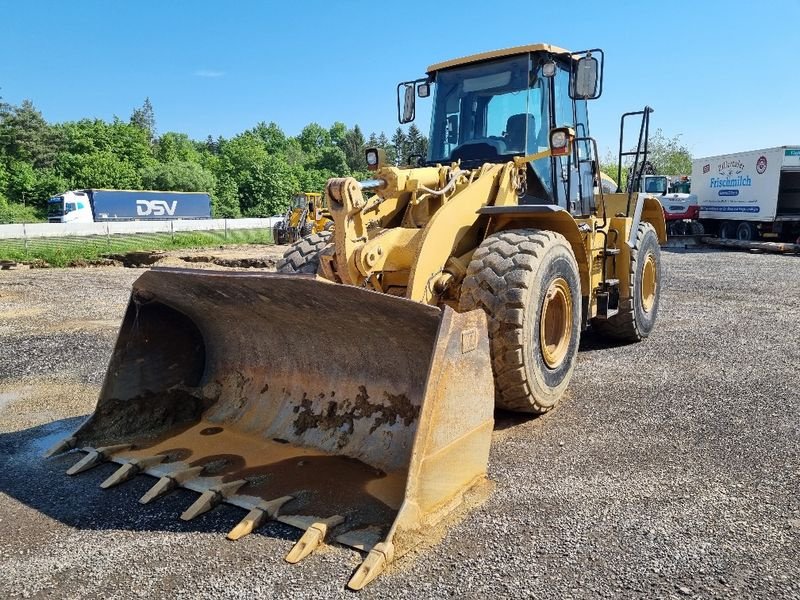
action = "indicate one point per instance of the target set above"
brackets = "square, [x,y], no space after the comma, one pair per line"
[544,216]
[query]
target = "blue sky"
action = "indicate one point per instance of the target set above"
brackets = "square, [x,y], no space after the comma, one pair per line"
[720,72]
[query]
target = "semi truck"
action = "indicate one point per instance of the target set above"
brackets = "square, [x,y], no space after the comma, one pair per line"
[750,195]
[94,205]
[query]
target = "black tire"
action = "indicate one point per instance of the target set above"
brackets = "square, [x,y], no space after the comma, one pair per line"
[727,230]
[510,277]
[279,234]
[746,232]
[679,228]
[303,256]
[696,228]
[637,313]
[306,229]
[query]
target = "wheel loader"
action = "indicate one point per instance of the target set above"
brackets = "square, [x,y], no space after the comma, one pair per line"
[446,289]
[308,214]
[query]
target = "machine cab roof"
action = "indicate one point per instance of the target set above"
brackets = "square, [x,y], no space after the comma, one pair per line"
[492,106]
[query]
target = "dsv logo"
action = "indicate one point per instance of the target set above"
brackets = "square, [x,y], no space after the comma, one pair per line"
[156,208]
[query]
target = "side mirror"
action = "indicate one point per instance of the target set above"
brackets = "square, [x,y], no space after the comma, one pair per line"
[586,76]
[409,103]
[408,90]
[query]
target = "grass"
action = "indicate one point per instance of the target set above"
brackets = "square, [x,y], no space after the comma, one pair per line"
[60,252]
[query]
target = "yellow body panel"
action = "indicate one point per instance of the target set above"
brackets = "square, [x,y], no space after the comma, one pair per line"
[482,56]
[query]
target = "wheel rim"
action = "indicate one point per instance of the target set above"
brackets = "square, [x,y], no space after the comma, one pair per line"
[649,283]
[555,327]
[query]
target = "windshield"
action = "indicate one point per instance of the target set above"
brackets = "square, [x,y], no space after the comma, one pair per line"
[656,185]
[55,207]
[299,201]
[487,112]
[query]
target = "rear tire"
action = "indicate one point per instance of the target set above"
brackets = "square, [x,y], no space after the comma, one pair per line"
[638,312]
[528,283]
[746,232]
[303,255]
[727,230]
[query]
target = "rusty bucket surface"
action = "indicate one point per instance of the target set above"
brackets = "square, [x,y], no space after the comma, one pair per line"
[352,415]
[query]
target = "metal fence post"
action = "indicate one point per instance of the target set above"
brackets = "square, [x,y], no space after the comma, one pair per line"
[172,231]
[225,221]
[25,237]
[108,236]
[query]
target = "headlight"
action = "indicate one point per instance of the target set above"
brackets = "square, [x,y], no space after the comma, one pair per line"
[376,157]
[559,140]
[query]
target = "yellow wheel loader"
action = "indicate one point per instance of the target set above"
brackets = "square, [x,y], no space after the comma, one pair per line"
[307,215]
[445,289]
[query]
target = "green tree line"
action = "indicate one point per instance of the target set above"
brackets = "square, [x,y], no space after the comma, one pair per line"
[252,174]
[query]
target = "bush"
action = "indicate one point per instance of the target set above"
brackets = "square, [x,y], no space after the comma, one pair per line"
[17,213]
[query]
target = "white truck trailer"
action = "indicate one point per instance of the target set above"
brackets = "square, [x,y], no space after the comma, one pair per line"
[750,195]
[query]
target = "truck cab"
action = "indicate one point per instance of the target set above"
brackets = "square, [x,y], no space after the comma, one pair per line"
[70,207]
[681,209]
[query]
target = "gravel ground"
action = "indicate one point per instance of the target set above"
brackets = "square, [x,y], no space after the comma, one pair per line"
[672,469]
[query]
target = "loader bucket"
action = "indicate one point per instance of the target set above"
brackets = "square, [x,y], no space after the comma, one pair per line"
[352,415]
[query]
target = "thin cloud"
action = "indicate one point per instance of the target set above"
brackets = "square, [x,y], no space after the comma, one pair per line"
[209,73]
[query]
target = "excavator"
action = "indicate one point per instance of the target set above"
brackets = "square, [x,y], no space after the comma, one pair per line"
[447,288]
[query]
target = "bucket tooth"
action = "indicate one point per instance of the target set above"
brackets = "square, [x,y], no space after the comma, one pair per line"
[95,457]
[313,537]
[211,497]
[257,516]
[61,446]
[169,482]
[124,473]
[130,469]
[376,561]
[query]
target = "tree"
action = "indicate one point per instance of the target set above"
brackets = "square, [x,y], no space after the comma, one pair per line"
[332,159]
[273,137]
[26,136]
[313,138]
[178,176]
[212,145]
[337,133]
[3,181]
[417,143]
[48,184]
[353,147]
[102,169]
[267,188]
[145,119]
[400,146]
[176,147]
[668,155]
[21,181]
[391,154]
[225,199]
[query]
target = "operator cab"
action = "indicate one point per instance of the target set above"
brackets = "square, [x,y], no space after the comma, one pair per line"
[493,107]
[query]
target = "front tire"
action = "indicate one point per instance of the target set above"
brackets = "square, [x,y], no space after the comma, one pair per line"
[638,312]
[303,255]
[528,283]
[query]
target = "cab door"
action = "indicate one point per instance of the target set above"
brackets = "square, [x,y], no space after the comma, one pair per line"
[574,174]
